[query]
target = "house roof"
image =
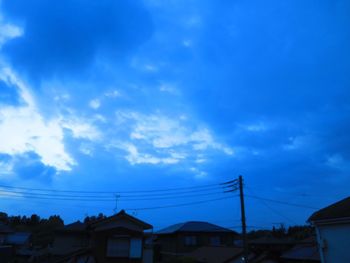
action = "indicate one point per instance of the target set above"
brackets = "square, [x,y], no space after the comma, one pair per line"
[193,226]
[303,252]
[270,240]
[215,254]
[337,210]
[120,215]
[73,227]
[5,228]
[18,238]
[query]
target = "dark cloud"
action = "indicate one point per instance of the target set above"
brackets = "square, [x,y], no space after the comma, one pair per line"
[65,36]
[284,64]
[275,59]
[29,166]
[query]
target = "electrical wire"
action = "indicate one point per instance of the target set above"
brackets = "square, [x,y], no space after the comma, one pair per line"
[110,195]
[224,184]
[281,202]
[177,205]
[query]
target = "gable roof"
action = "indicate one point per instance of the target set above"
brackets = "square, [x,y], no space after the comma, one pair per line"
[73,227]
[193,226]
[122,215]
[338,210]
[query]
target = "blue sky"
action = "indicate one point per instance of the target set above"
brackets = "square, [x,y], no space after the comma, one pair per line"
[135,95]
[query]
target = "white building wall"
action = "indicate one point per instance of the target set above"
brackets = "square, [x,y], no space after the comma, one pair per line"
[334,243]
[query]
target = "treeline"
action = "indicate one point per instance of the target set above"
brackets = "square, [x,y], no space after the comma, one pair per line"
[293,232]
[42,229]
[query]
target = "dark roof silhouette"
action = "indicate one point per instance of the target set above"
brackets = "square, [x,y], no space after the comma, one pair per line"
[193,226]
[74,227]
[122,214]
[338,210]
[5,228]
[215,254]
[270,240]
[303,252]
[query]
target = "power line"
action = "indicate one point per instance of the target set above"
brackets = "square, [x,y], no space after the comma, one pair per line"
[281,202]
[224,184]
[275,211]
[178,205]
[74,198]
[163,195]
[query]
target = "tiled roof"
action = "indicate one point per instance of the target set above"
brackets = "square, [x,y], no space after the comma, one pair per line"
[193,226]
[337,210]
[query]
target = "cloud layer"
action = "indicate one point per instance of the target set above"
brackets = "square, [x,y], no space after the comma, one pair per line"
[66,36]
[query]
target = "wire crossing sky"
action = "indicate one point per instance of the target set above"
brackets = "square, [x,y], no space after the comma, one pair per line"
[177,97]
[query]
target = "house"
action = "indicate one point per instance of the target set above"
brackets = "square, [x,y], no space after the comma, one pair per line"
[216,255]
[179,239]
[12,243]
[305,251]
[70,238]
[332,225]
[118,238]
[5,230]
[18,239]
[270,248]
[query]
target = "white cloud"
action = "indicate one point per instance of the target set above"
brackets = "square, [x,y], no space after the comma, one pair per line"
[80,128]
[134,157]
[187,43]
[8,31]
[23,129]
[112,94]
[193,21]
[95,104]
[86,149]
[6,168]
[171,138]
[198,173]
[150,68]
[255,127]
[169,89]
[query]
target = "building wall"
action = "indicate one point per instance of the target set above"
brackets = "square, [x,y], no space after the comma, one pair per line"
[70,241]
[334,242]
[175,243]
[99,245]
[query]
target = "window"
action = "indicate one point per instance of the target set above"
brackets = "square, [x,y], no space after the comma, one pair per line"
[118,247]
[135,248]
[215,241]
[190,241]
[124,247]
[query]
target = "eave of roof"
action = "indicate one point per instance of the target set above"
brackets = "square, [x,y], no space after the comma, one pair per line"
[336,212]
[194,227]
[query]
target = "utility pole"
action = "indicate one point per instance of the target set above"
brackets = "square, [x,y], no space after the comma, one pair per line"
[244,226]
